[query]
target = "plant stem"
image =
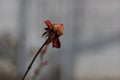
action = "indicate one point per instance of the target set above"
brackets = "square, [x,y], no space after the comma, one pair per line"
[38,69]
[29,67]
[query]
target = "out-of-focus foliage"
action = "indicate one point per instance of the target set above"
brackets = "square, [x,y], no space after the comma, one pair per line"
[8,49]
[8,46]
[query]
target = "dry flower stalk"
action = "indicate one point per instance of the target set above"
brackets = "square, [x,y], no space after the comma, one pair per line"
[53,32]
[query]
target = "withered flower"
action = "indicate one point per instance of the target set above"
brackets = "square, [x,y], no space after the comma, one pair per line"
[53,31]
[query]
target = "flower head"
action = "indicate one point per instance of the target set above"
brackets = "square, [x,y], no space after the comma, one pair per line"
[58,28]
[53,31]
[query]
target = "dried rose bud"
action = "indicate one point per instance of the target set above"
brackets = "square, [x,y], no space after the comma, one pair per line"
[53,31]
[59,28]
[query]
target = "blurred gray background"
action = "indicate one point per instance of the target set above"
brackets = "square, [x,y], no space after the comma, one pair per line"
[90,45]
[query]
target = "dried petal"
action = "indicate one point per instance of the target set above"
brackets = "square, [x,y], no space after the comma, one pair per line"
[56,43]
[48,23]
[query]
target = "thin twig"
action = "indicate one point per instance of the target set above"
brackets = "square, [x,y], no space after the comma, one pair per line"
[37,70]
[29,67]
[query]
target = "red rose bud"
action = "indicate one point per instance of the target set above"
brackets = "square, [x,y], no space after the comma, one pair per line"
[48,23]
